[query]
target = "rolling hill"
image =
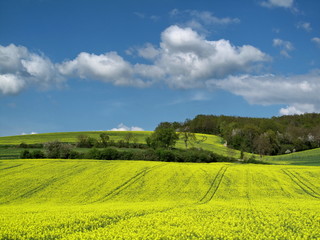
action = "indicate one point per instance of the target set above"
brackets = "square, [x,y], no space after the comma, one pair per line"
[212,142]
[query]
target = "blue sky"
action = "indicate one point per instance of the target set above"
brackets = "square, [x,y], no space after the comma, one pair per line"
[101,65]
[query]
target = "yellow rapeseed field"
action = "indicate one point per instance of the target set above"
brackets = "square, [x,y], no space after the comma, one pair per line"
[88,199]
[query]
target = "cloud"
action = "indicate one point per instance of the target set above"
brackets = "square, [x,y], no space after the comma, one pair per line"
[304,26]
[200,20]
[297,109]
[148,52]
[277,3]
[108,67]
[20,68]
[299,92]
[29,133]
[184,59]
[285,47]
[122,127]
[187,59]
[316,40]
[144,16]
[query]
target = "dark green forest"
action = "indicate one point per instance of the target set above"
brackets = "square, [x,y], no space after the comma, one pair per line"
[264,136]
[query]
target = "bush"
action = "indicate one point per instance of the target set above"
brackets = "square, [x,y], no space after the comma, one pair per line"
[93,154]
[109,154]
[86,142]
[75,155]
[126,155]
[23,145]
[165,155]
[25,154]
[58,149]
[34,145]
[38,154]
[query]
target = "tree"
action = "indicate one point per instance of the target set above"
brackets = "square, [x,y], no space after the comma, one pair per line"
[85,141]
[187,136]
[190,138]
[129,137]
[104,138]
[58,149]
[164,136]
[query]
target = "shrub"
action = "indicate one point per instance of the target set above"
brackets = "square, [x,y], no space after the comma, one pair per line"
[165,155]
[109,154]
[126,155]
[58,149]
[93,154]
[38,154]
[23,145]
[86,142]
[25,154]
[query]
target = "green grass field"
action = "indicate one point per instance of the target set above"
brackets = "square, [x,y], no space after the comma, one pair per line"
[309,157]
[88,199]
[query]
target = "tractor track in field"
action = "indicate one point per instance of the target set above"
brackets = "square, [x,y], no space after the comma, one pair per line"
[297,180]
[129,182]
[11,167]
[214,186]
[47,183]
[23,169]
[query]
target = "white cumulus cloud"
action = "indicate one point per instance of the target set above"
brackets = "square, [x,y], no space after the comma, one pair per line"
[108,67]
[186,59]
[122,127]
[300,92]
[298,109]
[20,68]
[29,133]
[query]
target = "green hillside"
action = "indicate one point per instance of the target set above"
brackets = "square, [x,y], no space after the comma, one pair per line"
[87,199]
[212,142]
[308,157]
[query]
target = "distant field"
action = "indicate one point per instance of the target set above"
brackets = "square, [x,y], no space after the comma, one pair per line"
[88,199]
[212,142]
[308,157]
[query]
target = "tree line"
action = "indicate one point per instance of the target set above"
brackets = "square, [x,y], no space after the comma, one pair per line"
[264,136]
[160,146]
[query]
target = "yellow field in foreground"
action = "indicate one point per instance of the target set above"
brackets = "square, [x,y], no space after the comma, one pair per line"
[85,199]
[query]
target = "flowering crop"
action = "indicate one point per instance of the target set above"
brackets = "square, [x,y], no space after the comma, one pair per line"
[84,199]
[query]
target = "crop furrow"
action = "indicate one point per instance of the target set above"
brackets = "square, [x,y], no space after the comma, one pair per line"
[129,182]
[47,183]
[11,167]
[301,184]
[214,186]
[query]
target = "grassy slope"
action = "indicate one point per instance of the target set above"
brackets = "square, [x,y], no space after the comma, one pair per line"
[87,199]
[212,143]
[308,157]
